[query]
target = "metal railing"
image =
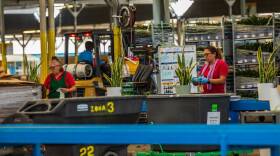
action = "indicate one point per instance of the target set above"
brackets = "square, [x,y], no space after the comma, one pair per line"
[223,135]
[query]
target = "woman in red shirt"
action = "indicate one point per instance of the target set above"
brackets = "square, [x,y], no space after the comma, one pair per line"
[214,73]
[59,80]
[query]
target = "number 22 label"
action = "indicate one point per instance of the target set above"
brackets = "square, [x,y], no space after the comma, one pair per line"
[87,151]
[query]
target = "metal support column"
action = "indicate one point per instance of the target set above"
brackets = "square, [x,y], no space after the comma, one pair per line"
[161,13]
[117,41]
[230,4]
[43,37]
[181,32]
[114,4]
[23,44]
[243,7]
[75,30]
[37,150]
[66,49]
[2,28]
[51,30]
[75,13]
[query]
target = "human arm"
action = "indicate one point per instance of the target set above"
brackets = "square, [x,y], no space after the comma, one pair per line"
[70,83]
[223,72]
[67,90]
[220,80]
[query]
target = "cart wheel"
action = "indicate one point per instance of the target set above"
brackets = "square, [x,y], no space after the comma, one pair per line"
[111,154]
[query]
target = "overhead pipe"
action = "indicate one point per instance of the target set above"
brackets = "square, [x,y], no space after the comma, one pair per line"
[43,37]
[243,7]
[2,28]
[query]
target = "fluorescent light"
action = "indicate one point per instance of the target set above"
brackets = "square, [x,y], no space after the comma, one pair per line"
[180,7]
[20,11]
[31,31]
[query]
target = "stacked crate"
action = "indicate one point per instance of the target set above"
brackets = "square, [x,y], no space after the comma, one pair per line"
[14,93]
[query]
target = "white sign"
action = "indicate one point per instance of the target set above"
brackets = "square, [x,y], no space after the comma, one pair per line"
[82,107]
[213,118]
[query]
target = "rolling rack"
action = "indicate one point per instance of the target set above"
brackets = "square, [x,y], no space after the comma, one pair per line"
[246,60]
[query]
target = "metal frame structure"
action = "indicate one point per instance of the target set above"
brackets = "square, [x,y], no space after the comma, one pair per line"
[246,33]
[95,36]
[223,135]
[239,33]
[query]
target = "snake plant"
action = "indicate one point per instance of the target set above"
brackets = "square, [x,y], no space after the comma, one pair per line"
[116,78]
[183,72]
[267,67]
[31,71]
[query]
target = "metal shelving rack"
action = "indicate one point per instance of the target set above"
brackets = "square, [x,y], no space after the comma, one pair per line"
[246,59]
[227,35]
[162,34]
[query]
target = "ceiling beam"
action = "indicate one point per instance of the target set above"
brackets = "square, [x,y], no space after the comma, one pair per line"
[26,3]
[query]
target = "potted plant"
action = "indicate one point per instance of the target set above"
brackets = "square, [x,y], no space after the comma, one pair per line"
[116,78]
[267,73]
[184,73]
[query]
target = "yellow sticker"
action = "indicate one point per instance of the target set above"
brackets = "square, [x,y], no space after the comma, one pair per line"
[87,151]
[109,107]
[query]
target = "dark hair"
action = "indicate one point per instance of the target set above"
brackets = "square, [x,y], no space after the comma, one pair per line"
[54,58]
[216,51]
[89,45]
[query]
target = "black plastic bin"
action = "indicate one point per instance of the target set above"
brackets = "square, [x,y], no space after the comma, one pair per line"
[101,110]
[191,109]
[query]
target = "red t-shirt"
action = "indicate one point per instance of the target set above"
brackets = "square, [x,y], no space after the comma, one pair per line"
[69,80]
[221,69]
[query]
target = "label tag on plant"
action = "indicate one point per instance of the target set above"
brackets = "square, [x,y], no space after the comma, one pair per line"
[213,118]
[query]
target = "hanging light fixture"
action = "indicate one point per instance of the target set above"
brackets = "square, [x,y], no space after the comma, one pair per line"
[179,7]
[57,9]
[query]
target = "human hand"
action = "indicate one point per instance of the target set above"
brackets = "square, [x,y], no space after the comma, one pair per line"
[203,80]
[64,90]
[195,80]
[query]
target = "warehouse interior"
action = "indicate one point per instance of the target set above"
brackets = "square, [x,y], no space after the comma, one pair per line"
[140,77]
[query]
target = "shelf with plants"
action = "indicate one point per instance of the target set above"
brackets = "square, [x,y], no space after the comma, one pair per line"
[250,34]
[254,28]
[247,73]
[256,20]
[247,93]
[162,34]
[253,47]
[247,89]
[204,33]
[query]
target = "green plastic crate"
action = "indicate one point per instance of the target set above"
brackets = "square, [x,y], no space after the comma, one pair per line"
[159,154]
[230,153]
